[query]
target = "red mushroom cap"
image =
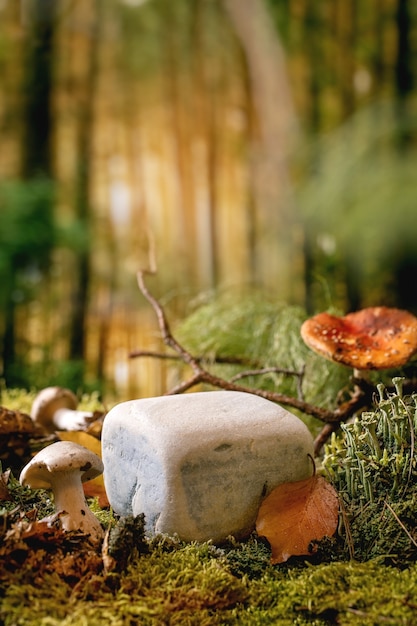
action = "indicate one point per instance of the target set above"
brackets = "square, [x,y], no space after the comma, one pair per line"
[373,338]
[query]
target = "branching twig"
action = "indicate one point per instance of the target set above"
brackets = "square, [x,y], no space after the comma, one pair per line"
[201,375]
[361,397]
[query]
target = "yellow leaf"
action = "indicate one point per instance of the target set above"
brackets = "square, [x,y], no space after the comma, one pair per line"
[82,438]
[294,514]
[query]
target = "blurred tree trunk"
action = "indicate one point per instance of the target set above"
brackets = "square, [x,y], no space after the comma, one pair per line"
[250,213]
[178,95]
[277,254]
[346,27]
[313,26]
[404,79]
[405,267]
[37,135]
[314,29]
[36,153]
[347,23]
[205,97]
[82,278]
[9,338]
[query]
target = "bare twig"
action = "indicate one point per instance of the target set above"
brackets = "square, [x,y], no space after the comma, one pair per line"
[397,519]
[222,360]
[201,375]
[346,525]
[155,355]
[360,399]
[274,370]
[324,435]
[265,370]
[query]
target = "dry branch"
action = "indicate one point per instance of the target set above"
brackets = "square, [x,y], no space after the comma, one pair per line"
[360,399]
[224,360]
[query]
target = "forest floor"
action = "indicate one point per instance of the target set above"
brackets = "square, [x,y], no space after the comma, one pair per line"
[50,577]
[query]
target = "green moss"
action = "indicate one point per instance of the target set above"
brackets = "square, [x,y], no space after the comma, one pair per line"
[21,500]
[193,584]
[186,585]
[22,399]
[16,399]
[172,582]
[91,402]
[105,516]
[342,593]
[249,559]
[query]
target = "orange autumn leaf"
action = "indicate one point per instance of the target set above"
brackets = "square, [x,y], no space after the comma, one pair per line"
[294,514]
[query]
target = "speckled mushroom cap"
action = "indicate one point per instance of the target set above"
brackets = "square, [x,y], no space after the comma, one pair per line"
[62,456]
[372,338]
[48,401]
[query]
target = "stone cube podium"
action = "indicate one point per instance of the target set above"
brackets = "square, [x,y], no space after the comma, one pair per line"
[198,465]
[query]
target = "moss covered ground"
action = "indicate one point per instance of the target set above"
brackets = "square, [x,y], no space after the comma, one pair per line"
[199,584]
[365,576]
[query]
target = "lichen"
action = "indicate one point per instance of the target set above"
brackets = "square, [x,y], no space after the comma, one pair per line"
[373,465]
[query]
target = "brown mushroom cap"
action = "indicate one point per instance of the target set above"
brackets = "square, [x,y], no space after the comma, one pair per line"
[50,400]
[372,338]
[62,456]
[12,422]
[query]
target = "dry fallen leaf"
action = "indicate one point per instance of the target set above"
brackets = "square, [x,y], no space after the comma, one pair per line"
[4,491]
[294,514]
[42,549]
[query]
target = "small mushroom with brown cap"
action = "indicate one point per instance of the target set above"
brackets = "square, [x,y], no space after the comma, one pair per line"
[54,408]
[373,338]
[63,467]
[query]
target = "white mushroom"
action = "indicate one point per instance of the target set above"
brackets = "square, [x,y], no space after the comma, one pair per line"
[63,467]
[54,408]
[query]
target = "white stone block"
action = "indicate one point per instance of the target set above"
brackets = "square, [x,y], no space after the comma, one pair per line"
[199,464]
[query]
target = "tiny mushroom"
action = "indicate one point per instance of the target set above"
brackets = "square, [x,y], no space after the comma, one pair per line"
[370,339]
[54,408]
[63,467]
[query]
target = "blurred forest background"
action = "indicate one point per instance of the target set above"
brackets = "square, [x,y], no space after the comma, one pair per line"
[250,143]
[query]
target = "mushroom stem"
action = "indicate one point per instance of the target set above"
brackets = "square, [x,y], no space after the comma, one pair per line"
[55,408]
[69,419]
[70,502]
[360,374]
